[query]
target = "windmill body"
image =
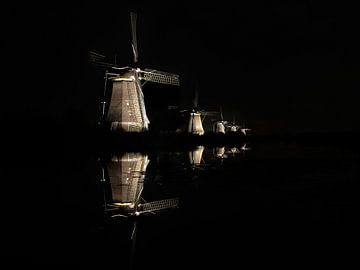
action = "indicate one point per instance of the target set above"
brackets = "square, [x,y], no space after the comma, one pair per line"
[195,124]
[126,110]
[219,127]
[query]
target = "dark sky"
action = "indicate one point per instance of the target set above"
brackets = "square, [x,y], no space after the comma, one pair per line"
[280,66]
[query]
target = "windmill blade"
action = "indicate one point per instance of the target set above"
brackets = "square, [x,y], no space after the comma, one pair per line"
[159,205]
[96,57]
[158,76]
[100,60]
[133,246]
[133,19]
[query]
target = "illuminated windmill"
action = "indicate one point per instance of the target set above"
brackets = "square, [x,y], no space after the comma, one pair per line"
[195,125]
[219,125]
[124,106]
[196,117]
[123,177]
[232,127]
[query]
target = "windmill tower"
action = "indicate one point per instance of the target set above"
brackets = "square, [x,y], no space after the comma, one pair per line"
[219,125]
[195,125]
[232,127]
[124,108]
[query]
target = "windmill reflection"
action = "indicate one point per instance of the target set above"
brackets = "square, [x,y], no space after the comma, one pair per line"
[195,156]
[237,150]
[224,152]
[124,178]
[219,152]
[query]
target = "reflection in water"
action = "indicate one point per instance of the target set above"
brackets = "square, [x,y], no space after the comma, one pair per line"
[219,152]
[195,156]
[200,154]
[124,178]
[245,147]
[223,152]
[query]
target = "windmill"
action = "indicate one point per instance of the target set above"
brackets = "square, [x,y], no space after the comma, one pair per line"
[219,125]
[244,130]
[123,106]
[196,116]
[195,125]
[232,127]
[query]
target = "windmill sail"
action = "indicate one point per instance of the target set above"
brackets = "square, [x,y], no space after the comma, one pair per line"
[160,77]
[100,60]
[133,19]
[159,205]
[96,57]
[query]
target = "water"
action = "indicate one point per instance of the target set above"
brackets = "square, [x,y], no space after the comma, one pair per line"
[262,204]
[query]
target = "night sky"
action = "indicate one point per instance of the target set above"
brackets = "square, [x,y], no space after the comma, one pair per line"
[279,66]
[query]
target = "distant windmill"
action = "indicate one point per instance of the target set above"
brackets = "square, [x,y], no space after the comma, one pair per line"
[245,130]
[195,122]
[232,127]
[125,109]
[219,125]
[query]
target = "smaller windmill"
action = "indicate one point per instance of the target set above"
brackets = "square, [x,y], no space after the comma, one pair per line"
[219,125]
[244,130]
[232,127]
[195,125]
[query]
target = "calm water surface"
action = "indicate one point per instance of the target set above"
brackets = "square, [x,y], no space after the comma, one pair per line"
[260,204]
